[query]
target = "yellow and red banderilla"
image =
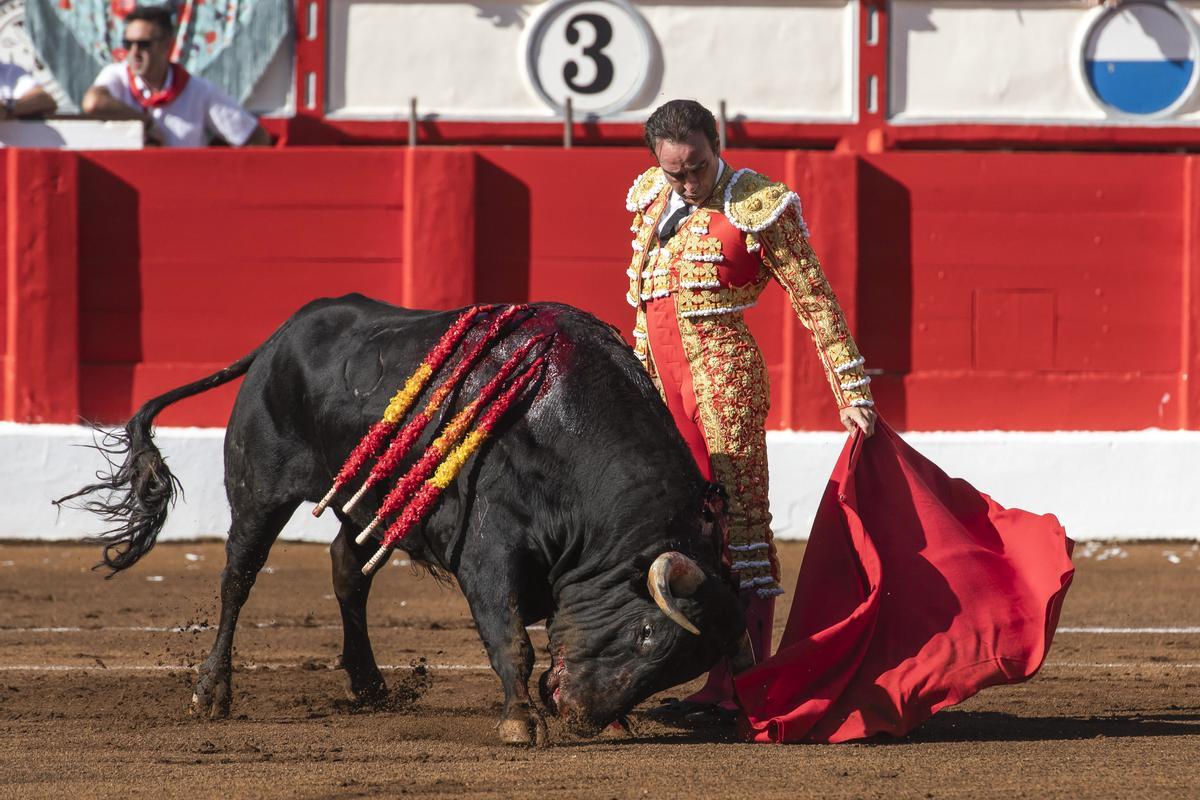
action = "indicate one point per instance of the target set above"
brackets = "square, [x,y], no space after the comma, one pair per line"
[412,431]
[403,400]
[424,483]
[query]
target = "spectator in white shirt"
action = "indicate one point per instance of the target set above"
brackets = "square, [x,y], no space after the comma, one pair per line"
[21,96]
[176,108]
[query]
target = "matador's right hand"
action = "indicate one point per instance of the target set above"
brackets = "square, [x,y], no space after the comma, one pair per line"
[858,418]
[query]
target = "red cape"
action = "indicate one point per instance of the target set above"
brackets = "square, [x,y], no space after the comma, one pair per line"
[916,592]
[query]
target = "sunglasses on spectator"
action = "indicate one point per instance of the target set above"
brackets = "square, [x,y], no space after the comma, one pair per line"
[129,44]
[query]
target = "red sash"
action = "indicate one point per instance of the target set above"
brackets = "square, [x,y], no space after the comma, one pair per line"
[179,79]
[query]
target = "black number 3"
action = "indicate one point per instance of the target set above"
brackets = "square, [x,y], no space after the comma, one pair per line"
[602,29]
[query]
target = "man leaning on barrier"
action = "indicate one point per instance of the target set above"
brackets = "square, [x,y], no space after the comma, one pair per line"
[177,109]
[21,97]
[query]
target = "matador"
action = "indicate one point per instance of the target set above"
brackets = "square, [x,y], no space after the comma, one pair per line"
[706,241]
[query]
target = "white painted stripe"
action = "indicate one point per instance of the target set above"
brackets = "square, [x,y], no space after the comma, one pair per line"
[201,628]
[1122,665]
[1190,629]
[486,668]
[246,668]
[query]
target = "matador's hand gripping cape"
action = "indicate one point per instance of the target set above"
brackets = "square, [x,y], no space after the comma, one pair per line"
[750,231]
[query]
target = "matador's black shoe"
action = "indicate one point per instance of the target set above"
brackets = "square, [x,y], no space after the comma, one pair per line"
[687,714]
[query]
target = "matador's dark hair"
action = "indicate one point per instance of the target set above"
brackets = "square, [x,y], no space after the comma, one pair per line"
[676,120]
[155,15]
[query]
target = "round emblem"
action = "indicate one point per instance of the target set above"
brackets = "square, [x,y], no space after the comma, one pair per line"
[598,53]
[1139,58]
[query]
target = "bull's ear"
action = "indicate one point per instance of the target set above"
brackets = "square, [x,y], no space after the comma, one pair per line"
[716,501]
[714,516]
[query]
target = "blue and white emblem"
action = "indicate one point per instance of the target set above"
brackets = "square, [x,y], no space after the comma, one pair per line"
[1140,58]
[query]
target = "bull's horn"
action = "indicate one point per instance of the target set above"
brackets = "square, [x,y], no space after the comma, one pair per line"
[744,658]
[674,574]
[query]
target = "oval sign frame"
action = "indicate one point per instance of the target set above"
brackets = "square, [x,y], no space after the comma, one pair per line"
[535,33]
[1091,26]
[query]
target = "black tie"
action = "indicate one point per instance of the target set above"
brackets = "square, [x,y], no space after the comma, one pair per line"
[672,225]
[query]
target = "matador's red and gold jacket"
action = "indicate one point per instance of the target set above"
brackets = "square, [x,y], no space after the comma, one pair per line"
[750,231]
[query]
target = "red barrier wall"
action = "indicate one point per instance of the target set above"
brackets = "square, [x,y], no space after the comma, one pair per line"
[987,290]
[188,261]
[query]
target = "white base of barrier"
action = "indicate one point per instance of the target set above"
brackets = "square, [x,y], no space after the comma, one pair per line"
[1102,485]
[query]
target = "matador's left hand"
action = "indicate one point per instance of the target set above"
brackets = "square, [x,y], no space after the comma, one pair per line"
[860,418]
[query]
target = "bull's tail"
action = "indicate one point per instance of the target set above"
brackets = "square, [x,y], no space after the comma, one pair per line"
[137,490]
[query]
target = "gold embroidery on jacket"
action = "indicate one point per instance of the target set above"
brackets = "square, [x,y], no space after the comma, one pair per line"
[733,394]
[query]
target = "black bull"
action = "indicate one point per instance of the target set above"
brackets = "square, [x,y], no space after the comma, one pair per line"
[584,508]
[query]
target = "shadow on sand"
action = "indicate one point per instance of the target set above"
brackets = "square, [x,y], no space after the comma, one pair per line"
[993,726]
[976,726]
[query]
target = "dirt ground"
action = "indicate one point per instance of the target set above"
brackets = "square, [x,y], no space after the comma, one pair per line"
[95,681]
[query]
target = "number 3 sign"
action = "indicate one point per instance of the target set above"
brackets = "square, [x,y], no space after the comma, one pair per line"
[596,52]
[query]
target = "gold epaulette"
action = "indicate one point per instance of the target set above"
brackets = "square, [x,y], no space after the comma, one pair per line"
[753,201]
[645,189]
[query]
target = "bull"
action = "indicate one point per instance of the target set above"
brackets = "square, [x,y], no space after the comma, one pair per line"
[584,509]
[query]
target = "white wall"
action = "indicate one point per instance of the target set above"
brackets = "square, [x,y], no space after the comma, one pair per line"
[995,60]
[769,59]
[72,134]
[1138,485]
[273,94]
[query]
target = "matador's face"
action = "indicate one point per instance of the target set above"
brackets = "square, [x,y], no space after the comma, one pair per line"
[690,166]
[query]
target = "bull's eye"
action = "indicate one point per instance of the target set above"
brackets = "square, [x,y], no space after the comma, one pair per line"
[647,633]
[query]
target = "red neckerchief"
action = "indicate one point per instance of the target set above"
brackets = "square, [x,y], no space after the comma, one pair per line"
[178,80]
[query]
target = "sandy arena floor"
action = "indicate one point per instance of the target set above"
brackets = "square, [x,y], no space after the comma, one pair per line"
[95,681]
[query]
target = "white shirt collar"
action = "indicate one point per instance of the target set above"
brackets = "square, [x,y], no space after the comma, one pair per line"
[676,201]
[146,91]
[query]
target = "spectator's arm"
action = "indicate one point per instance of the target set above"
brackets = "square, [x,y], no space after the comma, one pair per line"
[98,103]
[227,119]
[36,102]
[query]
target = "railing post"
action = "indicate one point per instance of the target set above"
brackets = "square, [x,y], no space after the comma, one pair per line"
[568,125]
[412,122]
[723,126]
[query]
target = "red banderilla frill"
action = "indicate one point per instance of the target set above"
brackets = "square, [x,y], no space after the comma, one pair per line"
[416,426]
[449,436]
[434,485]
[400,403]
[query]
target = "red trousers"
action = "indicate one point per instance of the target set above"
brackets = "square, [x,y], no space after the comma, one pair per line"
[675,382]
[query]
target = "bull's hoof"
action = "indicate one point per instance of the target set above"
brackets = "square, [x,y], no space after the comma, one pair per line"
[213,694]
[524,731]
[517,731]
[620,729]
[368,693]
